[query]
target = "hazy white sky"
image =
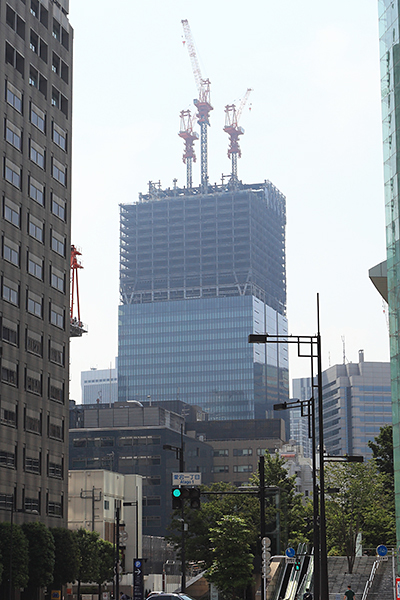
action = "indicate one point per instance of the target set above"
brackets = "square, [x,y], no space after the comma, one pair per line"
[314,130]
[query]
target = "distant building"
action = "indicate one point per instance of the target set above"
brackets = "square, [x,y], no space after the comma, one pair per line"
[129,439]
[92,500]
[238,445]
[199,272]
[35,222]
[357,403]
[299,466]
[99,386]
[299,431]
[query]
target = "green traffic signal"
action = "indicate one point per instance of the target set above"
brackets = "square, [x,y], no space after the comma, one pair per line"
[176,493]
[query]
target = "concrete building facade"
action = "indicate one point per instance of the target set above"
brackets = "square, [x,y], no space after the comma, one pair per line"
[198,273]
[129,439]
[92,501]
[99,386]
[35,184]
[357,403]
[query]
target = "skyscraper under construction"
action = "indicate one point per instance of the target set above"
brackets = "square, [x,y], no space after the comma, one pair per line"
[199,271]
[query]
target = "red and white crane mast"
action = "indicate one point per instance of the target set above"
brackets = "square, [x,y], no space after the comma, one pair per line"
[202,103]
[189,136]
[232,128]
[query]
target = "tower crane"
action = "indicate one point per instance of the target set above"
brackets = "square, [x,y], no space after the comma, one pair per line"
[202,103]
[189,136]
[76,325]
[232,117]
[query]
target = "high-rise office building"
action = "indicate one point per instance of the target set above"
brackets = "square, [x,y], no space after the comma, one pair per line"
[35,182]
[357,403]
[386,275]
[99,386]
[199,273]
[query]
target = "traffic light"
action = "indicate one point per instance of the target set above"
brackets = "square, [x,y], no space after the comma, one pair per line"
[297,564]
[176,498]
[194,495]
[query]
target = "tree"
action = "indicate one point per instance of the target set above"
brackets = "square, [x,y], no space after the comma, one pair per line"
[232,565]
[89,557]
[358,506]
[291,511]
[66,565]
[213,508]
[41,556]
[20,556]
[382,450]
[106,562]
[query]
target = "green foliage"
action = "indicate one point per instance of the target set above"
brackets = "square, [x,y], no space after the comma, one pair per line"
[89,556]
[382,451]
[362,504]
[232,565]
[20,554]
[106,561]
[41,554]
[67,559]
[291,511]
[213,509]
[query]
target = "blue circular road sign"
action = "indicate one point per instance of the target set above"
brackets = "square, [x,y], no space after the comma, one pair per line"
[290,552]
[381,550]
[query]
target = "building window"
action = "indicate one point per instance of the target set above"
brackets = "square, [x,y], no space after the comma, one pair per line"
[10,291]
[220,469]
[34,42]
[12,173]
[13,135]
[7,459]
[8,413]
[59,172]
[34,342]
[243,468]
[12,212]
[33,421]
[33,382]
[56,30]
[58,243]
[9,372]
[56,390]
[57,353]
[59,136]
[58,207]
[35,228]
[36,191]
[33,77]
[242,452]
[56,315]
[54,509]
[32,464]
[38,118]
[37,154]
[32,505]
[55,428]
[9,332]
[35,304]
[221,452]
[11,251]
[14,97]
[57,279]
[55,468]
[151,521]
[14,21]
[35,266]
[15,59]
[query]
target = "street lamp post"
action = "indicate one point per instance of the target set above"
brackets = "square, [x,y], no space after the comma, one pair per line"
[309,346]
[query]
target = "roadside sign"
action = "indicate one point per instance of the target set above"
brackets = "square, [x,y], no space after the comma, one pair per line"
[381,550]
[56,595]
[138,579]
[190,479]
[290,552]
[397,588]
[290,561]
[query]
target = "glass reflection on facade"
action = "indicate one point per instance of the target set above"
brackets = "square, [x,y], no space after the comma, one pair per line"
[198,274]
[390,90]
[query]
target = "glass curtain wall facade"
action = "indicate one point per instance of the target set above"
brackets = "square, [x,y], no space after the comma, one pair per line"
[198,274]
[390,90]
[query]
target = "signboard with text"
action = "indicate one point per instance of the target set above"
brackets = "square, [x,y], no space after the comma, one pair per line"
[138,590]
[190,479]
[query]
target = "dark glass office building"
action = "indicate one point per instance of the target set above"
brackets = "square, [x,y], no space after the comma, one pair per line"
[198,273]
